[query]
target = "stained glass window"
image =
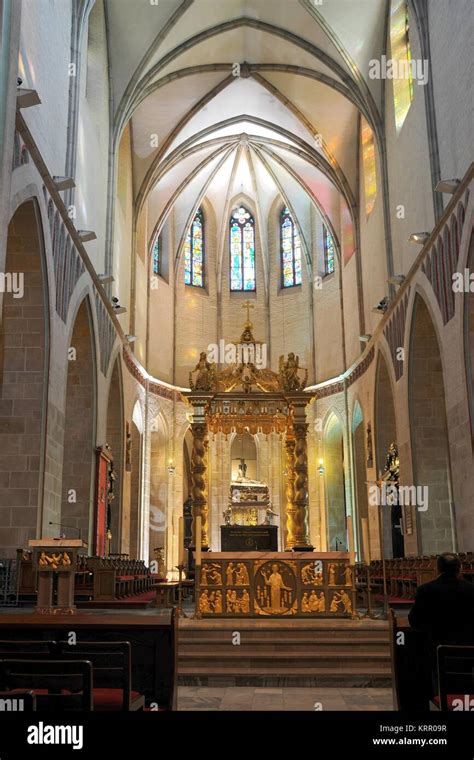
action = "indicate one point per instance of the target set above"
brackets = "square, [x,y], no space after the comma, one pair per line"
[290,250]
[156,256]
[329,252]
[401,56]
[369,164]
[242,250]
[194,252]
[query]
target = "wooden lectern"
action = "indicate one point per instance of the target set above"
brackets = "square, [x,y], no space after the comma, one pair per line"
[50,556]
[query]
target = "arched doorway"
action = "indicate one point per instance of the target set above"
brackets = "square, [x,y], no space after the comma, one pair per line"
[389,533]
[136,433]
[23,384]
[335,484]
[79,427]
[429,434]
[187,488]
[158,485]
[469,338]
[115,439]
[360,473]
[243,457]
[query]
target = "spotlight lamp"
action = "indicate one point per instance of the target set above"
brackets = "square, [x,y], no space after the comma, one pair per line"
[27,98]
[448,186]
[116,306]
[86,235]
[396,279]
[64,183]
[382,306]
[419,237]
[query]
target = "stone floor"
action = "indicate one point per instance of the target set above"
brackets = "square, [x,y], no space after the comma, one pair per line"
[286,698]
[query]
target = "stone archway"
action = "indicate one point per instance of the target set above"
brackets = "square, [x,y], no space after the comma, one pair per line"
[429,434]
[360,474]
[469,339]
[136,432]
[115,439]
[79,427]
[335,484]
[23,383]
[159,460]
[385,434]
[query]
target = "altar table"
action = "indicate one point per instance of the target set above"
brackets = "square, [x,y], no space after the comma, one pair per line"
[276,584]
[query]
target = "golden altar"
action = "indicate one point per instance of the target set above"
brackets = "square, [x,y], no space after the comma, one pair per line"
[276,584]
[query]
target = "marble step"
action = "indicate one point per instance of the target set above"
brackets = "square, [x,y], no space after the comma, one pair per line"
[289,668]
[293,645]
[216,633]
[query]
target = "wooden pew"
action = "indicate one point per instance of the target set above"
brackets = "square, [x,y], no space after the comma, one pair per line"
[153,640]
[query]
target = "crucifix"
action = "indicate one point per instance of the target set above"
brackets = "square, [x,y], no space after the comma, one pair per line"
[248,305]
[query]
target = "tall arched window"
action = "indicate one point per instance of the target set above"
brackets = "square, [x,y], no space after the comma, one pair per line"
[156,255]
[242,250]
[401,55]
[194,252]
[329,252]
[290,250]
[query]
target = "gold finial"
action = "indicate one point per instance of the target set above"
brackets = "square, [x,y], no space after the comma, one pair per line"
[248,305]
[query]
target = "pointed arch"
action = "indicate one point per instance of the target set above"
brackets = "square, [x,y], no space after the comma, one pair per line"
[429,433]
[335,490]
[194,252]
[24,373]
[80,423]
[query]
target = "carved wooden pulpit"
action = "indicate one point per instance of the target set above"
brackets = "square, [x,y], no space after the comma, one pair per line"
[53,556]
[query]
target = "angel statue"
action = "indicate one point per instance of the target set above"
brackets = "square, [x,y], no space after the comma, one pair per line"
[206,374]
[289,380]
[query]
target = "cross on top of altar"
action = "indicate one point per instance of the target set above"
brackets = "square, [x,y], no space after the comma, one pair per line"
[248,305]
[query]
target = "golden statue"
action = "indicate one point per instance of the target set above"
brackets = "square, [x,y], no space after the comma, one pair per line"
[348,575]
[332,574]
[289,379]
[346,601]
[230,574]
[214,576]
[245,602]
[313,602]
[242,576]
[336,600]
[204,602]
[205,374]
[218,602]
[275,582]
[322,602]
[305,603]
[310,576]
[233,604]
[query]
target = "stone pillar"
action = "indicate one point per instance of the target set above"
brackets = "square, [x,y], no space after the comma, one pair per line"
[297,514]
[199,477]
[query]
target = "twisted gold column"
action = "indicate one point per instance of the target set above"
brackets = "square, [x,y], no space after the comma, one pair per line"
[297,513]
[199,482]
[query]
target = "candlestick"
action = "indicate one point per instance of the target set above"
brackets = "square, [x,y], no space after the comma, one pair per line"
[181,542]
[350,535]
[365,540]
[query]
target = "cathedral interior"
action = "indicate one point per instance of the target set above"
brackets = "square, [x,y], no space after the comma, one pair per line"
[237,349]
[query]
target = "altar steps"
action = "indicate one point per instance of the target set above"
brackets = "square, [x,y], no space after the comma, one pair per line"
[333,650]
